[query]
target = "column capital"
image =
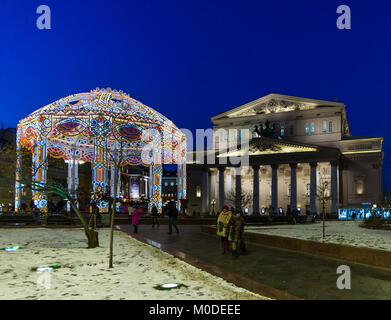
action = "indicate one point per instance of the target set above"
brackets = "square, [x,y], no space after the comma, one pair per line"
[293,165]
[313,164]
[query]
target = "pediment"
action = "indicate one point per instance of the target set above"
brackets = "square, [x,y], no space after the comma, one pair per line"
[275,103]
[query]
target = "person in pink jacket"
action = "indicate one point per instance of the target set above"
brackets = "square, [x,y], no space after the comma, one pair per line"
[135,218]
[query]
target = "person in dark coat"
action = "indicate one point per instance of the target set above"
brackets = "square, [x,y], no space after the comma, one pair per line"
[172,216]
[155,215]
[235,228]
[37,214]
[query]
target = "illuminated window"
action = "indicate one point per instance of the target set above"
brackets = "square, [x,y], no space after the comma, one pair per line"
[308,189]
[330,126]
[359,187]
[282,131]
[217,142]
[312,128]
[324,126]
[307,128]
[326,189]
[198,191]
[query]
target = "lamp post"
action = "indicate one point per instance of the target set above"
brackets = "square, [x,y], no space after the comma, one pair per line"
[213,206]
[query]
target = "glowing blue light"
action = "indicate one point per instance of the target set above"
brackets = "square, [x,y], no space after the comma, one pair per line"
[44,269]
[10,249]
[169,285]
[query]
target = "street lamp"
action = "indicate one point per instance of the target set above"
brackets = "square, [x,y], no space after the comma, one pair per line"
[213,206]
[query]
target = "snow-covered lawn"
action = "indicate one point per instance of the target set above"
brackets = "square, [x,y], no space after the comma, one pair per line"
[84,273]
[340,232]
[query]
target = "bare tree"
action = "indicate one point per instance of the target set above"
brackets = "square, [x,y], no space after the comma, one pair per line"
[245,197]
[117,161]
[324,196]
[59,190]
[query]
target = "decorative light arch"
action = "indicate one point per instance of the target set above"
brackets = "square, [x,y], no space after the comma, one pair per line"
[84,127]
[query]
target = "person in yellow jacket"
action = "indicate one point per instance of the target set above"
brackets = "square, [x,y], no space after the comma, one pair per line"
[222,229]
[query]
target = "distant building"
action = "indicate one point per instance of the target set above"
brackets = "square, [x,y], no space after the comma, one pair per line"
[7,140]
[297,146]
[169,187]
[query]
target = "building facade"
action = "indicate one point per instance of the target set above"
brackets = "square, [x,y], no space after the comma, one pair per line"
[299,152]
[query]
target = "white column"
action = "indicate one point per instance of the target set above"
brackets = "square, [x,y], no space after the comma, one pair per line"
[334,186]
[238,188]
[313,186]
[255,189]
[274,188]
[204,191]
[221,189]
[73,180]
[212,190]
[293,202]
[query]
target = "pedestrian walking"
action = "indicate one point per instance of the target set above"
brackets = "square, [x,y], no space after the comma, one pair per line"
[172,217]
[37,214]
[130,211]
[222,230]
[135,219]
[155,215]
[235,228]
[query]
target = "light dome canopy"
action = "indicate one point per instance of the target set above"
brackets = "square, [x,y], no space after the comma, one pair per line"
[77,120]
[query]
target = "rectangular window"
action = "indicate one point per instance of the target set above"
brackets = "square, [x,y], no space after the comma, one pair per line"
[326,189]
[312,128]
[198,191]
[330,126]
[307,128]
[308,189]
[324,126]
[291,130]
[217,143]
[282,131]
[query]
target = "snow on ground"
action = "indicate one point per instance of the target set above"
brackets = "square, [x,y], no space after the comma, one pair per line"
[84,273]
[340,232]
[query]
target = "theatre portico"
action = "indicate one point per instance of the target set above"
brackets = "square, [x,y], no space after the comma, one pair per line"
[298,149]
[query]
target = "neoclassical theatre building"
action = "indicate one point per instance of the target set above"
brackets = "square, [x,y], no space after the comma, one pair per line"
[299,148]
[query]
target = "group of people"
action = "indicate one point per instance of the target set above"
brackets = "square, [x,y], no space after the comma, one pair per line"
[230,229]
[172,212]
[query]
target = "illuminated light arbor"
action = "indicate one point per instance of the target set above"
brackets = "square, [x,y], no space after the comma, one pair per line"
[106,128]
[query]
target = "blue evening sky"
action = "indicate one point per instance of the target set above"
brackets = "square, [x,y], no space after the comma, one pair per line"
[193,59]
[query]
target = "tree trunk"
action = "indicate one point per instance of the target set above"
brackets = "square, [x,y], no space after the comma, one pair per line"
[112,217]
[324,220]
[93,239]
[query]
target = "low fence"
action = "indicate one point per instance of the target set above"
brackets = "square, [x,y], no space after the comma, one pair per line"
[375,257]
